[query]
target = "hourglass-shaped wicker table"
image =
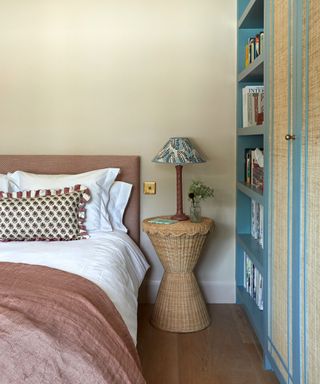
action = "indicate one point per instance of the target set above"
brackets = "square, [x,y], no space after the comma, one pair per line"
[179,305]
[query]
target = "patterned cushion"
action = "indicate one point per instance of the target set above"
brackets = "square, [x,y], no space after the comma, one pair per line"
[44,214]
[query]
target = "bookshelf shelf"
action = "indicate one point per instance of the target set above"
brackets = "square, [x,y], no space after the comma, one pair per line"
[253,249]
[254,71]
[252,16]
[248,131]
[254,313]
[251,191]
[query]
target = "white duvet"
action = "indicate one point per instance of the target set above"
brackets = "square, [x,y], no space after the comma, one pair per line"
[109,259]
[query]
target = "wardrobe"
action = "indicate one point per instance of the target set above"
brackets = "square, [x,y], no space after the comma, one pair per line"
[291,195]
[293,174]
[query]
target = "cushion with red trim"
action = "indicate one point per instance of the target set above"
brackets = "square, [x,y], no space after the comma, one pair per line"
[47,214]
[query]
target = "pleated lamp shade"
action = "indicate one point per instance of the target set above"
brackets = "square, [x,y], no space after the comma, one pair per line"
[178,151]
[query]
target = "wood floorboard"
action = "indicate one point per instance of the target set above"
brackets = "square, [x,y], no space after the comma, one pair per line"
[227,352]
[159,367]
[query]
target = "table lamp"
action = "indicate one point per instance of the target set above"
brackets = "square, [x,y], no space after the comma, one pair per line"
[178,151]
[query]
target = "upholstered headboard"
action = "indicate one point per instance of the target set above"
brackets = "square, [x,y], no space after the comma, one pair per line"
[69,164]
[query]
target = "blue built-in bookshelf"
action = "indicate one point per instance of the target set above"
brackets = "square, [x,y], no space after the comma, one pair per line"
[249,243]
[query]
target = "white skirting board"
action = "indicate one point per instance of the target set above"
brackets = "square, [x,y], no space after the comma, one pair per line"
[213,292]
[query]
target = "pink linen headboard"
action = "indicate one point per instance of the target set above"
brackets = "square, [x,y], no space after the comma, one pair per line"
[70,164]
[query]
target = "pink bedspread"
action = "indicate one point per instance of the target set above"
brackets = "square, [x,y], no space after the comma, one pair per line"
[56,327]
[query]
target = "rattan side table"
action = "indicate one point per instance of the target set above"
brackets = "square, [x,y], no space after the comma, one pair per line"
[179,305]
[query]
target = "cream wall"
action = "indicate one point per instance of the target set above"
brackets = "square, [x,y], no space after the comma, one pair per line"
[121,77]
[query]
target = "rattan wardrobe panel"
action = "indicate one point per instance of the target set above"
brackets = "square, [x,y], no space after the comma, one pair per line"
[304,162]
[280,285]
[294,192]
[313,195]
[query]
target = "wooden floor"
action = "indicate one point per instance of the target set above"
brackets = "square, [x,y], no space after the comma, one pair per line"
[224,353]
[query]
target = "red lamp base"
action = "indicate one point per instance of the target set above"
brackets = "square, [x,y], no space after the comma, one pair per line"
[179,214]
[180,217]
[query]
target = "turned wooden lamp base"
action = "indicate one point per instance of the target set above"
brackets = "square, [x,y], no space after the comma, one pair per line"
[180,216]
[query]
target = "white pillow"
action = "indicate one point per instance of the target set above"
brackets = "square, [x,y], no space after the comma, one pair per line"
[4,183]
[119,197]
[98,181]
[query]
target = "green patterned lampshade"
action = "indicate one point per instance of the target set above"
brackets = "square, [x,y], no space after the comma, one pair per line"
[178,151]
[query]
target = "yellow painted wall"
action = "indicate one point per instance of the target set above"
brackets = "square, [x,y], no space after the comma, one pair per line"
[121,77]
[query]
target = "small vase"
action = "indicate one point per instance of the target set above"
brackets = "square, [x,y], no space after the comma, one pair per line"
[195,212]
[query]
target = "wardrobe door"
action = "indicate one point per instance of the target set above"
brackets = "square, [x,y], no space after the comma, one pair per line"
[280,62]
[310,234]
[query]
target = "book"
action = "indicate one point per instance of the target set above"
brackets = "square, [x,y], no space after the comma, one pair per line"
[159,220]
[252,105]
[253,48]
[257,166]
[257,222]
[261,42]
[247,55]
[247,171]
[257,45]
[261,226]
[253,281]
[260,297]
[254,167]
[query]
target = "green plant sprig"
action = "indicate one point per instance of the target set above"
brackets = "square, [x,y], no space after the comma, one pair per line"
[199,191]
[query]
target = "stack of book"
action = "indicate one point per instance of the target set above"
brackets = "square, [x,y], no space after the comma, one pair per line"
[257,222]
[253,281]
[254,165]
[252,105]
[254,48]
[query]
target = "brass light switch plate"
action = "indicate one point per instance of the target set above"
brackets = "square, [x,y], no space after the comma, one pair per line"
[149,187]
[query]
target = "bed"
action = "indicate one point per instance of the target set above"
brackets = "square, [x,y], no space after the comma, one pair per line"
[68,309]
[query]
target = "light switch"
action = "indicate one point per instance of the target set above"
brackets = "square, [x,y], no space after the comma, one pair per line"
[149,187]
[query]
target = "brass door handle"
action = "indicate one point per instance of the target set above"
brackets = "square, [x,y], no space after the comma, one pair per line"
[290,137]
